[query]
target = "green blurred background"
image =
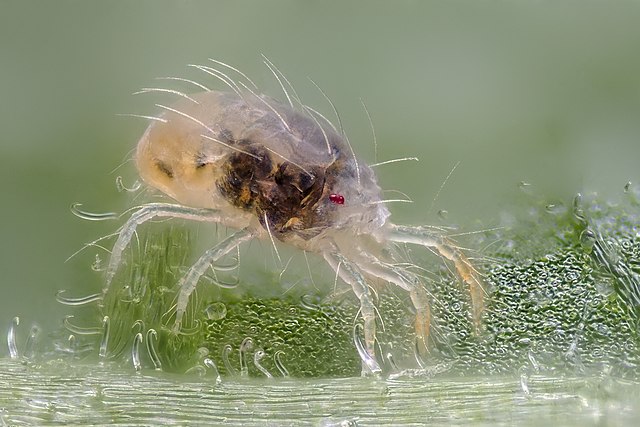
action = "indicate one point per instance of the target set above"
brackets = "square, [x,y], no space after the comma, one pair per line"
[544,92]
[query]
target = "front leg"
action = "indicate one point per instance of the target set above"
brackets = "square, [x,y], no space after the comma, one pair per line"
[146,213]
[189,281]
[350,274]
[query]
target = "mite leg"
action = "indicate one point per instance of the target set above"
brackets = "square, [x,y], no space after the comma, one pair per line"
[189,281]
[427,238]
[144,214]
[350,274]
[410,283]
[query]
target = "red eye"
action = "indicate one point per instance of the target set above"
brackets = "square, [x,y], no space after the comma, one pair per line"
[337,199]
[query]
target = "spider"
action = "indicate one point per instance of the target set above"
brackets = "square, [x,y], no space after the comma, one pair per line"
[280,171]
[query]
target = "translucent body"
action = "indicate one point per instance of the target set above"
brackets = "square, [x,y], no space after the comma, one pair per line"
[273,171]
[251,165]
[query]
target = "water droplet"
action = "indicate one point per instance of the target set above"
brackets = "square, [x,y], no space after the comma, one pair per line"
[257,357]
[443,214]
[77,301]
[138,325]
[225,359]
[11,338]
[80,330]
[121,187]
[216,311]
[151,349]
[72,344]
[279,365]
[32,341]
[75,209]
[209,363]
[135,352]
[245,346]
[310,302]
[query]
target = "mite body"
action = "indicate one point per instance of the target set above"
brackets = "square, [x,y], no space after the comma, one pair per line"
[235,154]
[282,172]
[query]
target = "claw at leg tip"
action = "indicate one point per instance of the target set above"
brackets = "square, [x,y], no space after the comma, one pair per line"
[177,325]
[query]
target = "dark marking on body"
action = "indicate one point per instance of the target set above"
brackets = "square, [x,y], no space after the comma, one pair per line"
[164,168]
[201,161]
[283,196]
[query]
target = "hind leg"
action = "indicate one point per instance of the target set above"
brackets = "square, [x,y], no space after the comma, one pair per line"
[466,271]
[189,281]
[350,274]
[146,213]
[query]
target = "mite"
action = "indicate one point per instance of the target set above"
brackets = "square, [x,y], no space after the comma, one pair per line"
[282,172]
